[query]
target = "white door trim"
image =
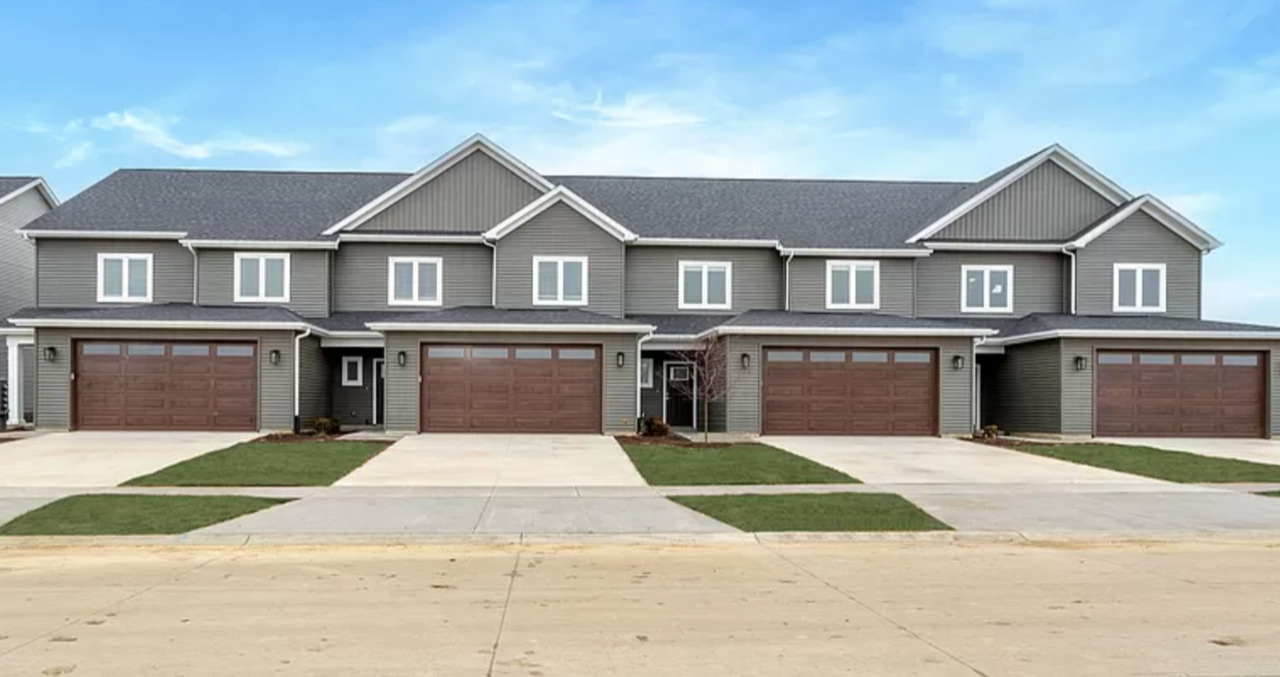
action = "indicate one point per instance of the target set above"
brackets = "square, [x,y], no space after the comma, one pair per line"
[379,363]
[693,369]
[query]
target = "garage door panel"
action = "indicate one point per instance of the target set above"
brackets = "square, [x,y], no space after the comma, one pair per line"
[1191,394]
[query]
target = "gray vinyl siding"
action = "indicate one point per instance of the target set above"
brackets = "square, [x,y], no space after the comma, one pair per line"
[352,405]
[402,383]
[28,382]
[1078,386]
[1025,388]
[1037,282]
[653,278]
[561,231]
[53,379]
[1138,239]
[67,270]
[308,280]
[361,270]
[809,286]
[955,386]
[17,255]
[313,383]
[1046,205]
[472,196]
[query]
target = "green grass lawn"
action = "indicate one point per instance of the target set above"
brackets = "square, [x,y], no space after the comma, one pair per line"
[663,465]
[1273,494]
[122,514]
[815,512]
[266,464]
[1161,464]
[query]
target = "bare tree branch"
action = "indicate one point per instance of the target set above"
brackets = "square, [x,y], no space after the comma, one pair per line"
[710,362]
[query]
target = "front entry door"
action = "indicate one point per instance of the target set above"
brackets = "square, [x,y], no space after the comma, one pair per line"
[379,391]
[679,384]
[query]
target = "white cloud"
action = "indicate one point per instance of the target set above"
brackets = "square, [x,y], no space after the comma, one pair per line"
[635,111]
[75,156]
[153,129]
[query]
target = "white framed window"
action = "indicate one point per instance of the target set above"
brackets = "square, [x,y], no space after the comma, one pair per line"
[853,284]
[1138,288]
[705,285]
[124,278]
[414,281]
[646,372]
[559,280]
[986,289]
[353,371]
[261,277]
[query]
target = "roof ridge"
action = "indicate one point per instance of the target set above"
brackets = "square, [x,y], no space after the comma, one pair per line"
[756,178]
[193,170]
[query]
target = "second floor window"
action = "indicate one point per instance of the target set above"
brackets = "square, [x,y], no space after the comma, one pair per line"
[262,278]
[986,289]
[559,280]
[706,285]
[414,281]
[1139,288]
[853,284]
[124,278]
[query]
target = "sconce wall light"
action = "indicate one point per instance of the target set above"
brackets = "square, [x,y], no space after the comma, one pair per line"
[957,362]
[402,358]
[274,356]
[1082,363]
[621,359]
[745,360]
[50,354]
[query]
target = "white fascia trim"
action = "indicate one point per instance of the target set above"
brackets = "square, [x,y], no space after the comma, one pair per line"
[701,242]
[477,143]
[38,184]
[14,333]
[666,344]
[1162,213]
[555,196]
[985,348]
[103,234]
[513,327]
[258,244]
[162,324]
[856,253]
[1055,153]
[1137,334]
[847,331]
[353,340]
[410,237]
[996,246]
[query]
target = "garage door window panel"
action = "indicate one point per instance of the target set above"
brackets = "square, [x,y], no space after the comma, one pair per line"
[124,278]
[986,289]
[1139,288]
[705,285]
[261,278]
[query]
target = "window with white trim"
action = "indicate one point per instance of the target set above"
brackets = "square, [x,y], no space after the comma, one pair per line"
[986,289]
[262,277]
[1138,288]
[705,285]
[853,285]
[414,281]
[559,280]
[353,371]
[646,372]
[124,278]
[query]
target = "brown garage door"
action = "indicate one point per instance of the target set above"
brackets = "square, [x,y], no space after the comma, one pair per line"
[1181,394]
[513,388]
[126,385]
[861,391]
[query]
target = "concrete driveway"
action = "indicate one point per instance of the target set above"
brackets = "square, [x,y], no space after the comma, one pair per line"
[1258,451]
[498,460]
[102,459]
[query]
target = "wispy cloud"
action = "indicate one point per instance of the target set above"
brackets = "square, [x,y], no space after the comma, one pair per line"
[75,156]
[153,129]
[635,111]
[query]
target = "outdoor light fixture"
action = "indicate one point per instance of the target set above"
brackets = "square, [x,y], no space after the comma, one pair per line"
[1082,362]
[622,359]
[274,356]
[50,354]
[401,358]
[745,359]
[957,362]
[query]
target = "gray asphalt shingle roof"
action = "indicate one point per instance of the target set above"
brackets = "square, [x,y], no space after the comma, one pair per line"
[8,184]
[781,318]
[681,325]
[165,312]
[483,315]
[1041,322]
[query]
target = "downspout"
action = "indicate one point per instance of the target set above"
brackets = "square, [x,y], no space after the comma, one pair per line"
[297,379]
[786,302]
[639,343]
[973,385]
[195,274]
[493,283]
[1071,254]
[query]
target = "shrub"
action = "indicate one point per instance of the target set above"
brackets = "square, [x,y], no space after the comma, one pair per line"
[327,426]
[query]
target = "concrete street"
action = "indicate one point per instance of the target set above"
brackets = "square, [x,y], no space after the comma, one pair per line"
[777,609]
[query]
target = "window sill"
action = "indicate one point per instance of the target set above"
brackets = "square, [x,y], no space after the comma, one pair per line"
[1148,311]
[122,301]
[415,304]
[987,311]
[243,300]
[561,304]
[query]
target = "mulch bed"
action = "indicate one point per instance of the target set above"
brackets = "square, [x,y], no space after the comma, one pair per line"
[670,441]
[292,438]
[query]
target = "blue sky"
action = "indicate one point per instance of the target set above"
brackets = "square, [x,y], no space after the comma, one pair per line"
[1177,98]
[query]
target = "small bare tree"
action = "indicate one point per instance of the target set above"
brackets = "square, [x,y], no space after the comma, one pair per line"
[710,362]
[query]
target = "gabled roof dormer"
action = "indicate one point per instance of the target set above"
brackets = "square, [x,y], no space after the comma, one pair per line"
[1158,210]
[560,195]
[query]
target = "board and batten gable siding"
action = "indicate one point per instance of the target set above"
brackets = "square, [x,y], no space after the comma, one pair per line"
[67,270]
[472,196]
[809,286]
[313,383]
[1037,282]
[1138,239]
[1078,386]
[1027,383]
[18,255]
[561,231]
[653,278]
[53,379]
[1046,205]
[308,280]
[360,274]
[403,385]
[955,387]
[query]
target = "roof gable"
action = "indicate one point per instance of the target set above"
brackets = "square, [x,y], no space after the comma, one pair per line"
[13,186]
[560,195]
[476,144]
[1162,213]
